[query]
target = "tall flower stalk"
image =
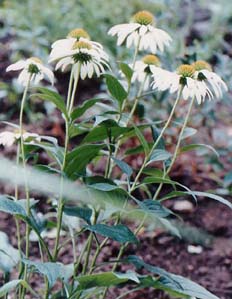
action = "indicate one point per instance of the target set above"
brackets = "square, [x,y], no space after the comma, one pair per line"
[70,102]
[166,172]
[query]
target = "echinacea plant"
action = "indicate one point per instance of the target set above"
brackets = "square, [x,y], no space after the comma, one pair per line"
[98,201]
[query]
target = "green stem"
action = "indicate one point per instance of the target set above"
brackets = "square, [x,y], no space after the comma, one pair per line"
[136,100]
[16,219]
[157,140]
[61,200]
[129,84]
[76,79]
[28,211]
[177,147]
[99,248]
[46,295]
[69,89]
[90,241]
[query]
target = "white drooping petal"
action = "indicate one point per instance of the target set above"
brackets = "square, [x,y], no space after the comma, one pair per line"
[27,75]
[7,139]
[151,38]
[16,66]
[216,82]
[165,80]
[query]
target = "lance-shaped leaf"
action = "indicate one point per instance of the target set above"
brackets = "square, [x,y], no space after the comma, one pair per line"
[53,97]
[116,89]
[120,233]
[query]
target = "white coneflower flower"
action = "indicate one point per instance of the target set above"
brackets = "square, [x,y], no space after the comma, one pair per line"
[142,71]
[203,72]
[184,76]
[85,57]
[141,30]
[7,138]
[60,47]
[32,69]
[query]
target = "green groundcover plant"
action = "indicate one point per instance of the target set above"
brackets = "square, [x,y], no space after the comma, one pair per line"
[110,202]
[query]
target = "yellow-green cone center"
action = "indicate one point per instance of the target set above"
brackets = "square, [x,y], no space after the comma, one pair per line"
[82,45]
[144,18]
[36,59]
[151,60]
[186,70]
[200,65]
[78,33]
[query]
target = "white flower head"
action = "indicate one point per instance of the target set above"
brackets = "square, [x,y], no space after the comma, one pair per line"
[142,72]
[183,77]
[7,138]
[32,69]
[203,72]
[143,31]
[84,55]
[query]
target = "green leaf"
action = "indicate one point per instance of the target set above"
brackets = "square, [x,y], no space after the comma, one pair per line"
[175,284]
[52,150]
[142,140]
[52,96]
[120,233]
[191,147]
[158,180]
[52,271]
[102,132]
[125,168]
[159,155]
[155,172]
[127,70]
[78,159]
[116,89]
[83,213]
[188,132]
[213,196]
[174,194]
[79,111]
[106,279]
[104,187]
[11,207]
[154,207]
[155,135]
[11,285]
